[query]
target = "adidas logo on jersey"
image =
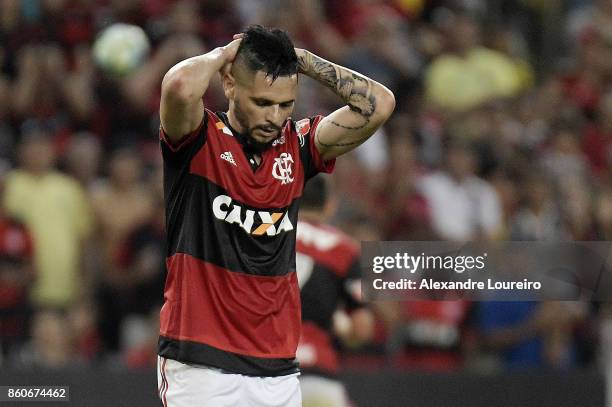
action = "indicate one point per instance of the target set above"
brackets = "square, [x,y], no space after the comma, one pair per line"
[227,156]
[270,223]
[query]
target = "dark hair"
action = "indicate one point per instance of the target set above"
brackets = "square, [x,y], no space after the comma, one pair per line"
[315,193]
[269,50]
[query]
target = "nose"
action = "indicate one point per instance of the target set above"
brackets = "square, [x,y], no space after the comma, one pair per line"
[273,115]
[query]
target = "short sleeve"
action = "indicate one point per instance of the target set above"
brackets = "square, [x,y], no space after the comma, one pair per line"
[186,147]
[309,154]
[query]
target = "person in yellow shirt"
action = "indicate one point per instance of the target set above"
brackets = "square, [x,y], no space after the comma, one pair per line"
[470,74]
[55,209]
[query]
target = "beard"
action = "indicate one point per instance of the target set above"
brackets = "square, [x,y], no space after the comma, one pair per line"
[253,146]
[246,139]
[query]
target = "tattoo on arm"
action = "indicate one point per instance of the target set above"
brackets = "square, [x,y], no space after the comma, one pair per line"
[343,144]
[355,90]
[360,126]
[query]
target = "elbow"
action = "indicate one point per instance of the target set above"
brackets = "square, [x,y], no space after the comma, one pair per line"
[386,104]
[175,87]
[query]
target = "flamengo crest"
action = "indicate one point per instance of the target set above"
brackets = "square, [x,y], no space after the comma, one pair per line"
[283,168]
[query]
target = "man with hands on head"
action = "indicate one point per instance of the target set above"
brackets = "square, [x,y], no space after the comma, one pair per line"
[230,323]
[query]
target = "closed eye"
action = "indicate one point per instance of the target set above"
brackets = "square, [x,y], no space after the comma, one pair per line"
[261,102]
[266,102]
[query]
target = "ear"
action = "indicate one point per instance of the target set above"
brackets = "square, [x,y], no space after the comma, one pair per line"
[229,84]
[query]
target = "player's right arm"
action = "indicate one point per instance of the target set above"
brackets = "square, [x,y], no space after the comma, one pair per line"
[181,108]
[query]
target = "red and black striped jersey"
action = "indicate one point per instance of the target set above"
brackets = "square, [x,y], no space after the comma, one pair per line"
[231,298]
[329,276]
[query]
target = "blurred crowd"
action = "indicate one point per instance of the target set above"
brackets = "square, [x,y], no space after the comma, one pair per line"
[502,131]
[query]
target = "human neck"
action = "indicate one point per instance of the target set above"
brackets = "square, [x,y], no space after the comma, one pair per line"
[250,145]
[37,173]
[233,121]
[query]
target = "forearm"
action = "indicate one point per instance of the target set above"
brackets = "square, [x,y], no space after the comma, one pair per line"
[368,105]
[363,95]
[189,79]
[181,108]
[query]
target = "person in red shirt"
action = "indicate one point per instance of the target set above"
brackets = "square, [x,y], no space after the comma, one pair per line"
[329,275]
[230,323]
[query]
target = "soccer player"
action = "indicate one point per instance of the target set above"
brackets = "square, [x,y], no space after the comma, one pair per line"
[329,276]
[230,323]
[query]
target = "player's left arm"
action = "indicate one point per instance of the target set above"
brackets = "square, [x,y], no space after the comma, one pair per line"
[368,105]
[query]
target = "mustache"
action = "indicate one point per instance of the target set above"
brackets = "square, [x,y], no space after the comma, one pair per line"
[269,128]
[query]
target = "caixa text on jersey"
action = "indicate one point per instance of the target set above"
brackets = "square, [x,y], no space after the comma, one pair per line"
[270,223]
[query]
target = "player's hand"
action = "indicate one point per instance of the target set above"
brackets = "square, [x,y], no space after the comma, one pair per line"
[229,53]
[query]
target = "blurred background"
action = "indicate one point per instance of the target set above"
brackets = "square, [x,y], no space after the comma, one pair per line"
[503,130]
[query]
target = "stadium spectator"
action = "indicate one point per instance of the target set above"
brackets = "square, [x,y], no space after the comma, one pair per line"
[377,51]
[327,266]
[577,208]
[429,335]
[564,159]
[469,74]
[408,214]
[54,207]
[463,206]
[584,80]
[50,345]
[45,91]
[539,218]
[597,141]
[16,276]
[82,160]
[121,205]
[530,335]
[138,272]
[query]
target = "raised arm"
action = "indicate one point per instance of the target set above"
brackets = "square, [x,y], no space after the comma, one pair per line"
[368,105]
[181,108]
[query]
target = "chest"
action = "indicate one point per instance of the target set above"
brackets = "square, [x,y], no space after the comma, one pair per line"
[117,210]
[274,183]
[44,200]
